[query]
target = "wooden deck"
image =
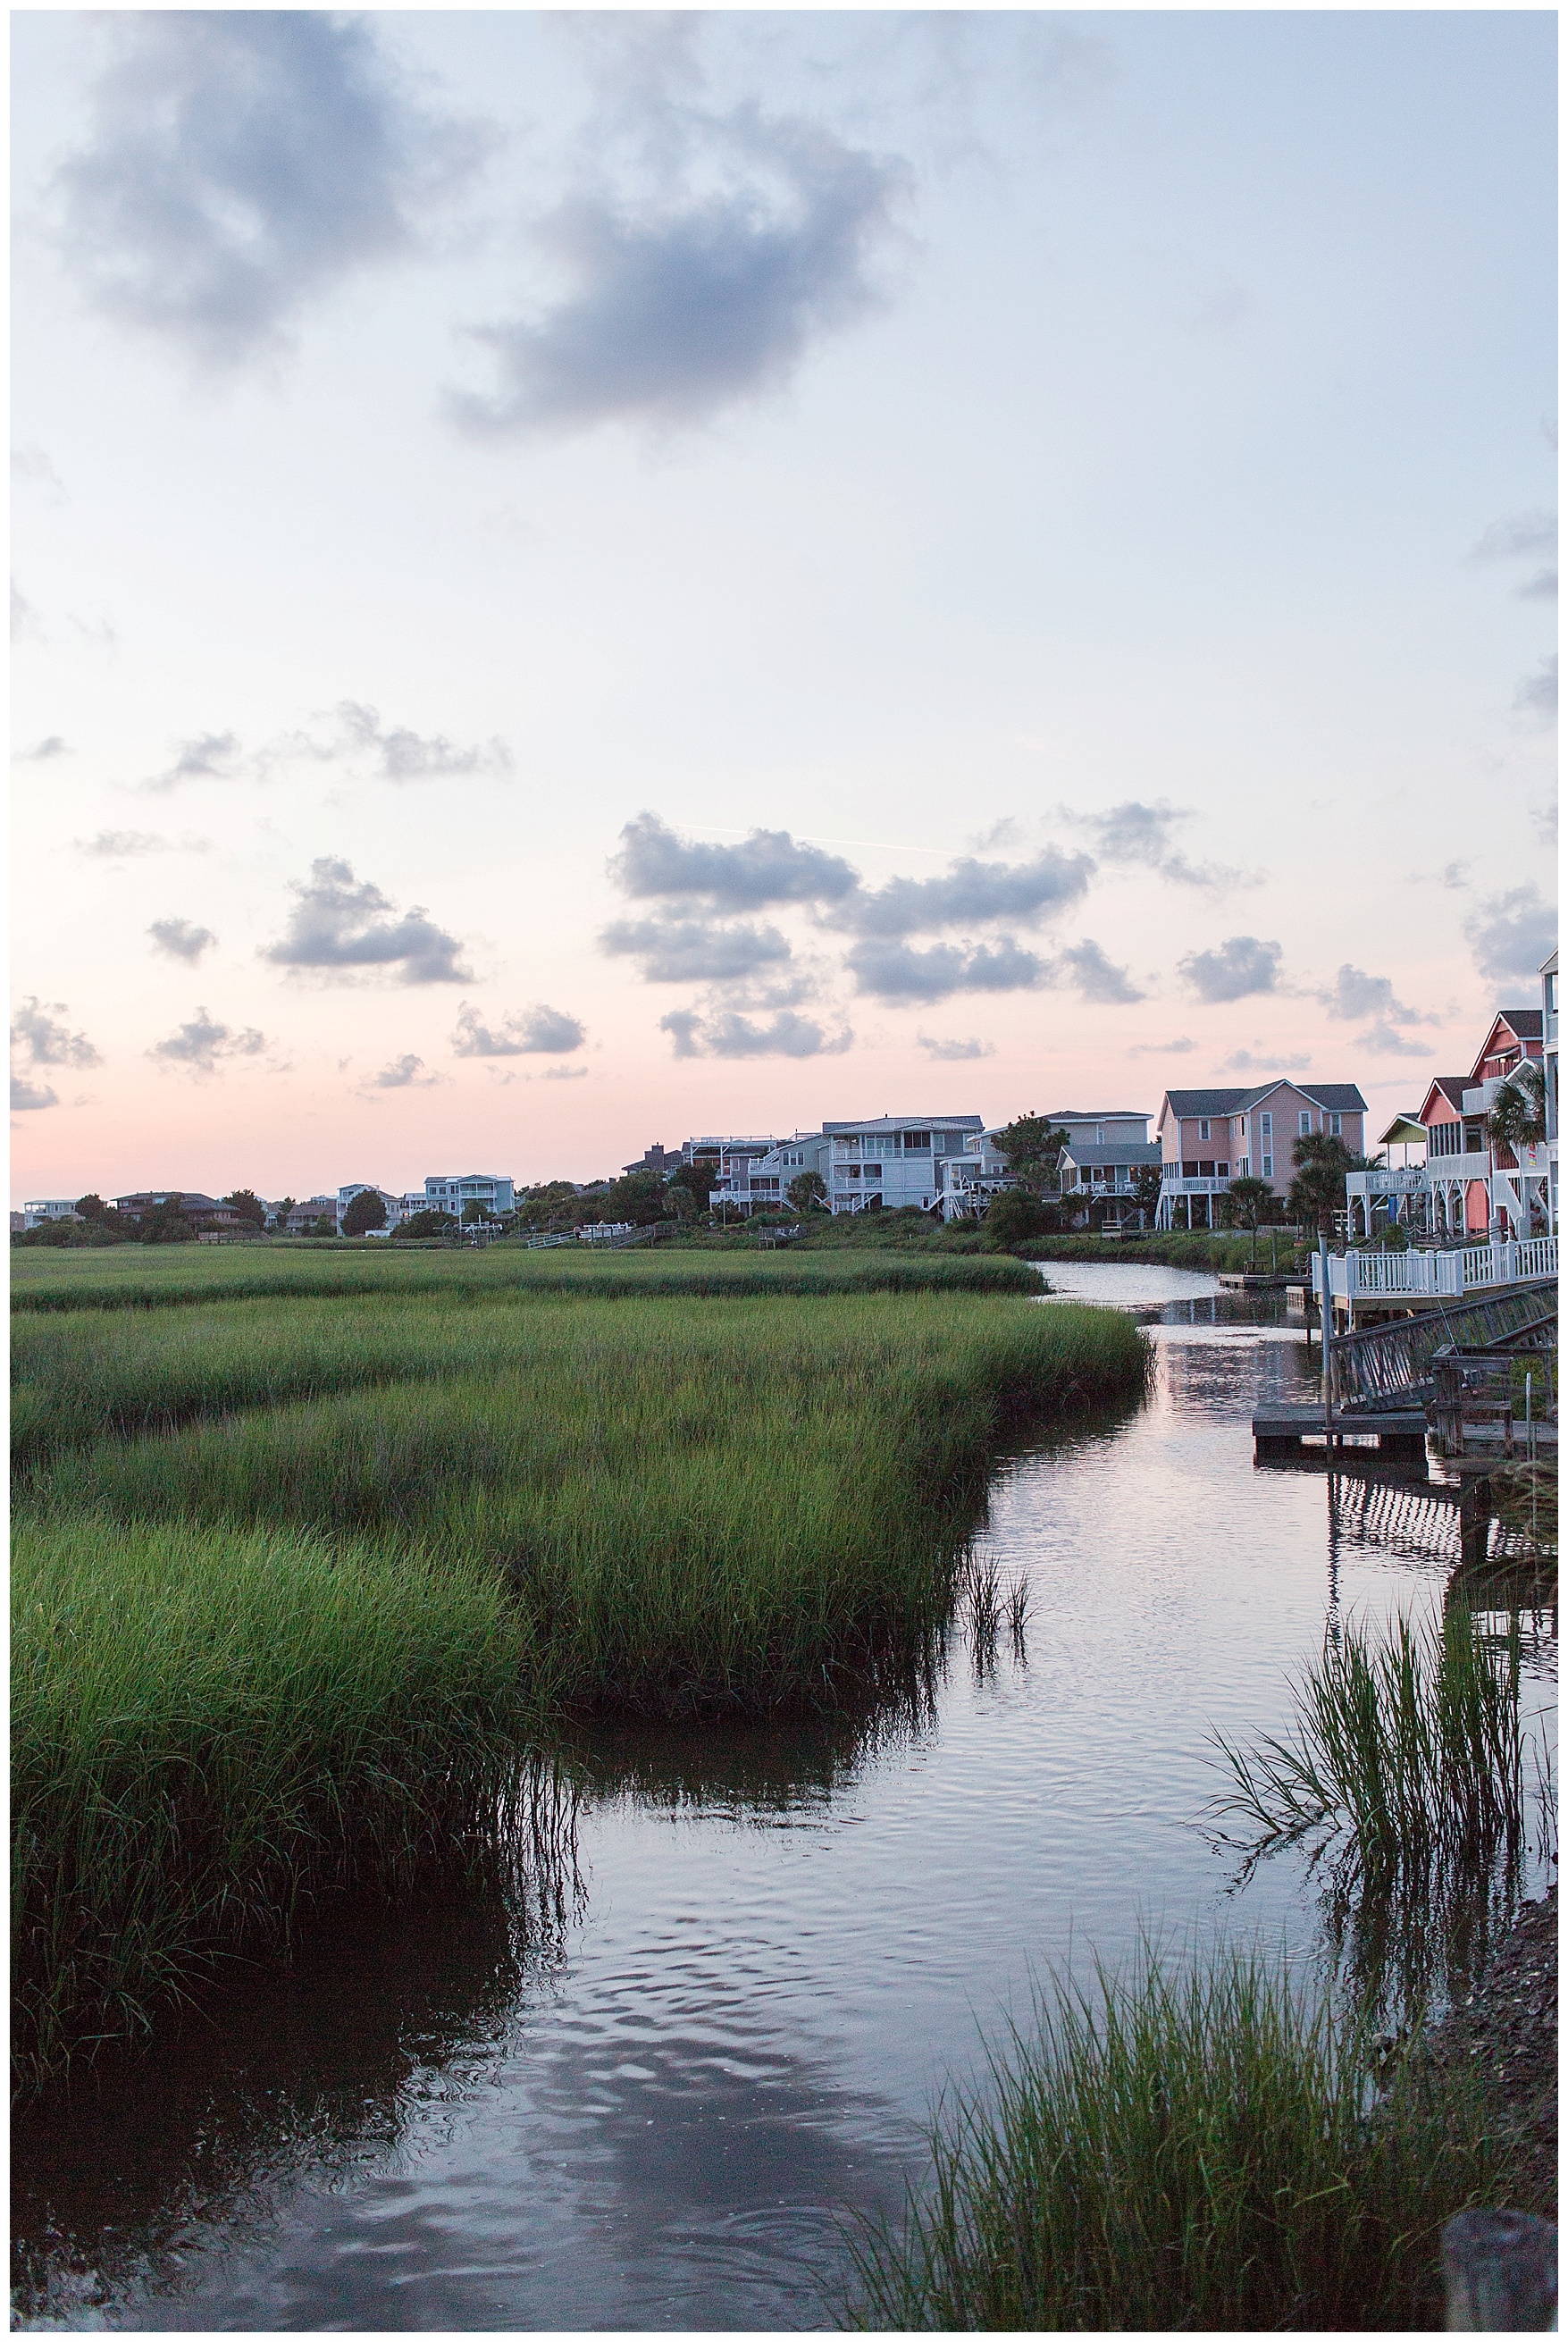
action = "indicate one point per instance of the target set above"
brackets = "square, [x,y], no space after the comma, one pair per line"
[1284,1431]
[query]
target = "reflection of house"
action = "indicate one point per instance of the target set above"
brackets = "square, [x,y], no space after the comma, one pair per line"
[1209,1137]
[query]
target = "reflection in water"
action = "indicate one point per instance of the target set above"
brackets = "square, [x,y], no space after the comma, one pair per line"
[644,2099]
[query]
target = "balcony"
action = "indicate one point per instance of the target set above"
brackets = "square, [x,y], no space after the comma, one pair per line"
[1382,1181]
[1472,1166]
[1175,1186]
[1398,1276]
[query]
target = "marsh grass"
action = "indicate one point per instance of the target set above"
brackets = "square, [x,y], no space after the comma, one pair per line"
[1186,2151]
[210,1725]
[290,1584]
[184,1275]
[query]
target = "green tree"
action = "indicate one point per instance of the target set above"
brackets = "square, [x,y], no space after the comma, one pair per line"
[425,1224]
[696,1179]
[281,1211]
[1033,1151]
[365,1211]
[249,1206]
[323,1224]
[1012,1217]
[1518,1115]
[165,1224]
[91,1207]
[1317,1190]
[1146,1190]
[1246,1204]
[806,1192]
[638,1196]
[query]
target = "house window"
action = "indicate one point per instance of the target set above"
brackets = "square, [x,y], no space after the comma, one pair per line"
[1244,1168]
[1203,1128]
[1333,1124]
[1189,1170]
[1268,1166]
[1205,1170]
[1303,1123]
[1265,1126]
[1221,1170]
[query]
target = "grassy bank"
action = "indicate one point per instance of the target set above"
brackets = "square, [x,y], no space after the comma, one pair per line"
[180,1275]
[284,1572]
[1177,1250]
[208,1726]
[1188,2151]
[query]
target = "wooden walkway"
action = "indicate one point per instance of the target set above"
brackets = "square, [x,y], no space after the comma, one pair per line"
[1279,1432]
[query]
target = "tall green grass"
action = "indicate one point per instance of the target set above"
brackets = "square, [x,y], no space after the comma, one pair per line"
[290,1581]
[693,1506]
[1193,2152]
[143,1277]
[209,1724]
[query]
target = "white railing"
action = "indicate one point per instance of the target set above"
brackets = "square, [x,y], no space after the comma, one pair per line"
[1440,1274]
[1382,1181]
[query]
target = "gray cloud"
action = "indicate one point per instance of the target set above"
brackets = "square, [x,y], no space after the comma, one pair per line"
[1521,536]
[30,1097]
[539,1031]
[1380,1040]
[1511,934]
[197,1045]
[35,1028]
[125,844]
[32,464]
[895,971]
[953,1052]
[241,163]
[1097,978]
[675,950]
[337,924]
[404,756]
[1132,835]
[563,1074]
[405,1073]
[970,893]
[770,866]
[210,757]
[24,624]
[1240,966]
[1541,587]
[1242,1061]
[1537,694]
[680,307]
[1543,820]
[181,939]
[1356,995]
[728,1034]
[1180,1048]
[44,752]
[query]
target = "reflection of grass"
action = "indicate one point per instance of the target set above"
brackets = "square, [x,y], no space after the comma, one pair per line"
[1187,2152]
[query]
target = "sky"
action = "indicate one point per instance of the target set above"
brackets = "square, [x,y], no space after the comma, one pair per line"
[585,578]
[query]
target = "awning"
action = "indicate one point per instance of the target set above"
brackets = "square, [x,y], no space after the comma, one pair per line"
[1404,1131]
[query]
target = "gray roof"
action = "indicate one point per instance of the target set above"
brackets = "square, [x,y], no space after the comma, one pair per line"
[1131,1151]
[1335,1098]
[911,1122]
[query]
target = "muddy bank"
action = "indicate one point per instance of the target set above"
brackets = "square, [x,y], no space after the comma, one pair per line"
[1506,2031]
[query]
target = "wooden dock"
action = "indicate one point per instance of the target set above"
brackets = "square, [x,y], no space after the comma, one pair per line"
[1252,1280]
[1279,1432]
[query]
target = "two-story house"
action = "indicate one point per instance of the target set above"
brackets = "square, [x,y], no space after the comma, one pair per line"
[1476,1187]
[747,1180]
[1209,1137]
[895,1162]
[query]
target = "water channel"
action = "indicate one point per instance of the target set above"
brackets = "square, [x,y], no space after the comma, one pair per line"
[650,2097]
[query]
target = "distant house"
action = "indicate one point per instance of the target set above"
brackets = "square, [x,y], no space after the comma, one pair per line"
[392,1205]
[747,1181]
[449,1191]
[202,1211]
[1100,1180]
[1473,1186]
[46,1213]
[653,1158]
[1209,1137]
[303,1217]
[895,1162]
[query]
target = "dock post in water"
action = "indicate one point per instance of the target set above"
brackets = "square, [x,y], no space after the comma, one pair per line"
[1499,2272]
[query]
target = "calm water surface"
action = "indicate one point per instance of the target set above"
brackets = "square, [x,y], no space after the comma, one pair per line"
[652,2104]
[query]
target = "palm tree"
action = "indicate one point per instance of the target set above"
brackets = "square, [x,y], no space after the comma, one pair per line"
[1317,1190]
[1518,1116]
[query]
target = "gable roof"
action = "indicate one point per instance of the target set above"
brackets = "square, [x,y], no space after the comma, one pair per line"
[1452,1086]
[1332,1097]
[1131,1151]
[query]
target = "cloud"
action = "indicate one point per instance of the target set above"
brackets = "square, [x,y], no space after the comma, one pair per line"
[970,893]
[1537,694]
[181,939]
[681,306]
[1096,977]
[33,465]
[675,950]
[405,1073]
[727,1034]
[539,1031]
[1543,820]
[241,163]
[1356,995]
[44,752]
[198,1044]
[35,1028]
[404,756]
[1511,934]
[564,1073]
[1380,1040]
[953,1052]
[25,622]
[1521,536]
[769,867]
[30,1097]
[338,924]
[895,971]
[210,757]
[125,844]
[1180,1047]
[1242,1061]
[1133,834]
[1240,966]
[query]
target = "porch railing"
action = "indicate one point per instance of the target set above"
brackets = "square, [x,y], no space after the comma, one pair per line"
[1441,1274]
